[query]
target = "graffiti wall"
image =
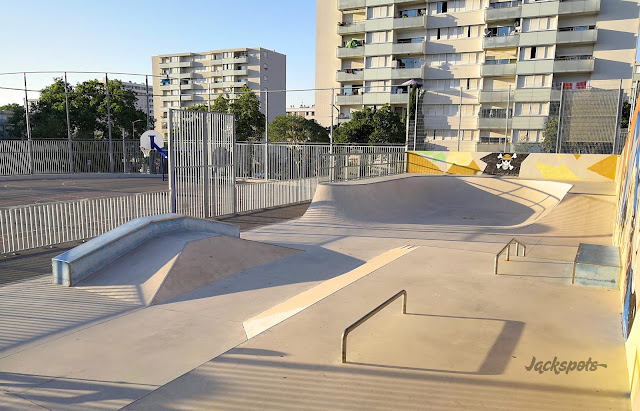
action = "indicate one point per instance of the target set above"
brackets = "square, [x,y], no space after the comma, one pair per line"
[565,167]
[626,237]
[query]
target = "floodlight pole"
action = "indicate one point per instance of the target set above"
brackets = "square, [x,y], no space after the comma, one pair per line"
[146,80]
[26,113]
[70,145]
[459,118]
[111,160]
[506,124]
[558,132]
[266,135]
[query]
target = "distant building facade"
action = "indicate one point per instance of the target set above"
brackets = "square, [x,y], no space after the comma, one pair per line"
[303,111]
[189,79]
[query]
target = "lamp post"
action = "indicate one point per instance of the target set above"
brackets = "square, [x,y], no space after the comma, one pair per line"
[124,148]
[133,128]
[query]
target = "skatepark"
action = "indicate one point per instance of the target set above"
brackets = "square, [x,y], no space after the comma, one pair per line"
[192,319]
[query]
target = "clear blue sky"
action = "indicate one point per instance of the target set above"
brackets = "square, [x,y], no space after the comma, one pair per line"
[121,36]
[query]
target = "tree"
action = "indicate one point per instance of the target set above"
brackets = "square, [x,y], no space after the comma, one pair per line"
[626,113]
[388,127]
[297,129]
[16,126]
[220,104]
[249,120]
[370,126]
[550,135]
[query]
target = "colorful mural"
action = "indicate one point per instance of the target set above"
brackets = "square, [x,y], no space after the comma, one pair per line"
[626,237]
[539,166]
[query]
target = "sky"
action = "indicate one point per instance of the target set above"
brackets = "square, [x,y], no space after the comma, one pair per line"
[121,36]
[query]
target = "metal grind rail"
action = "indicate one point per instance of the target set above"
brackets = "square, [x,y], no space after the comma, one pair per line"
[507,248]
[370,314]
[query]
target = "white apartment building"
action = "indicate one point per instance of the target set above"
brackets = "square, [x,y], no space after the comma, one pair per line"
[303,111]
[467,54]
[141,91]
[189,79]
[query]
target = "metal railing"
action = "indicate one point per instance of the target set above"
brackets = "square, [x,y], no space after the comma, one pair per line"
[256,196]
[370,314]
[507,248]
[346,167]
[41,225]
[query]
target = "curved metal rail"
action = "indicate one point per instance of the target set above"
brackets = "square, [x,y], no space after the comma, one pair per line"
[507,248]
[370,314]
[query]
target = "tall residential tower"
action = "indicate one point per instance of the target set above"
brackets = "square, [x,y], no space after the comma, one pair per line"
[467,54]
[190,79]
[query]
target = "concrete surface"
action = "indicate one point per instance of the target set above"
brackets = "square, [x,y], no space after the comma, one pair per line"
[464,344]
[24,190]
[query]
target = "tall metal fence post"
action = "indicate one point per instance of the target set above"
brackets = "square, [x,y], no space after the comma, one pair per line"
[415,123]
[111,159]
[406,125]
[233,162]
[146,81]
[559,132]
[266,135]
[459,118]
[506,124]
[172,165]
[205,166]
[70,144]
[618,118]
[26,113]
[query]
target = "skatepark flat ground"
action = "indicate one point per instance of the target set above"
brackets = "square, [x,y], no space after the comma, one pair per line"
[25,191]
[269,337]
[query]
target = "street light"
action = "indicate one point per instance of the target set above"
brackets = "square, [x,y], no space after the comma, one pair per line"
[133,129]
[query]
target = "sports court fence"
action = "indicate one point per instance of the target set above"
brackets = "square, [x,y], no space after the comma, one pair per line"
[41,225]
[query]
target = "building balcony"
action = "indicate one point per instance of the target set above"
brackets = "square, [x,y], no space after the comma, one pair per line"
[378,49]
[536,38]
[346,52]
[536,95]
[579,7]
[227,84]
[528,122]
[534,67]
[508,10]
[349,100]
[399,98]
[407,73]
[182,75]
[349,75]
[231,60]
[187,97]
[351,4]
[540,8]
[409,48]
[176,64]
[351,28]
[494,123]
[491,70]
[574,65]
[494,96]
[577,36]
[500,42]
[244,72]
[418,22]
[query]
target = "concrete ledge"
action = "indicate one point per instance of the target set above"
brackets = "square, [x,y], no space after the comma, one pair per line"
[597,266]
[80,262]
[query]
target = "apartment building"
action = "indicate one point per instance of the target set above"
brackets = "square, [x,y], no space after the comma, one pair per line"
[468,54]
[307,112]
[189,79]
[141,91]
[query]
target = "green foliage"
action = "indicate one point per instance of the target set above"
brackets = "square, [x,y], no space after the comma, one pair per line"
[297,129]
[16,123]
[370,126]
[87,111]
[220,104]
[626,114]
[249,120]
[550,135]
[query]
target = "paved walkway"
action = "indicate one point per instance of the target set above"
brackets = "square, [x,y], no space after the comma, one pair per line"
[465,342]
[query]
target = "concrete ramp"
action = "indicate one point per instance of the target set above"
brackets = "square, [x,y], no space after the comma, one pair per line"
[205,261]
[437,200]
[170,265]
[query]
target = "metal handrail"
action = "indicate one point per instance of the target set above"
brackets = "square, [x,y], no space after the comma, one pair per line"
[369,315]
[507,248]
